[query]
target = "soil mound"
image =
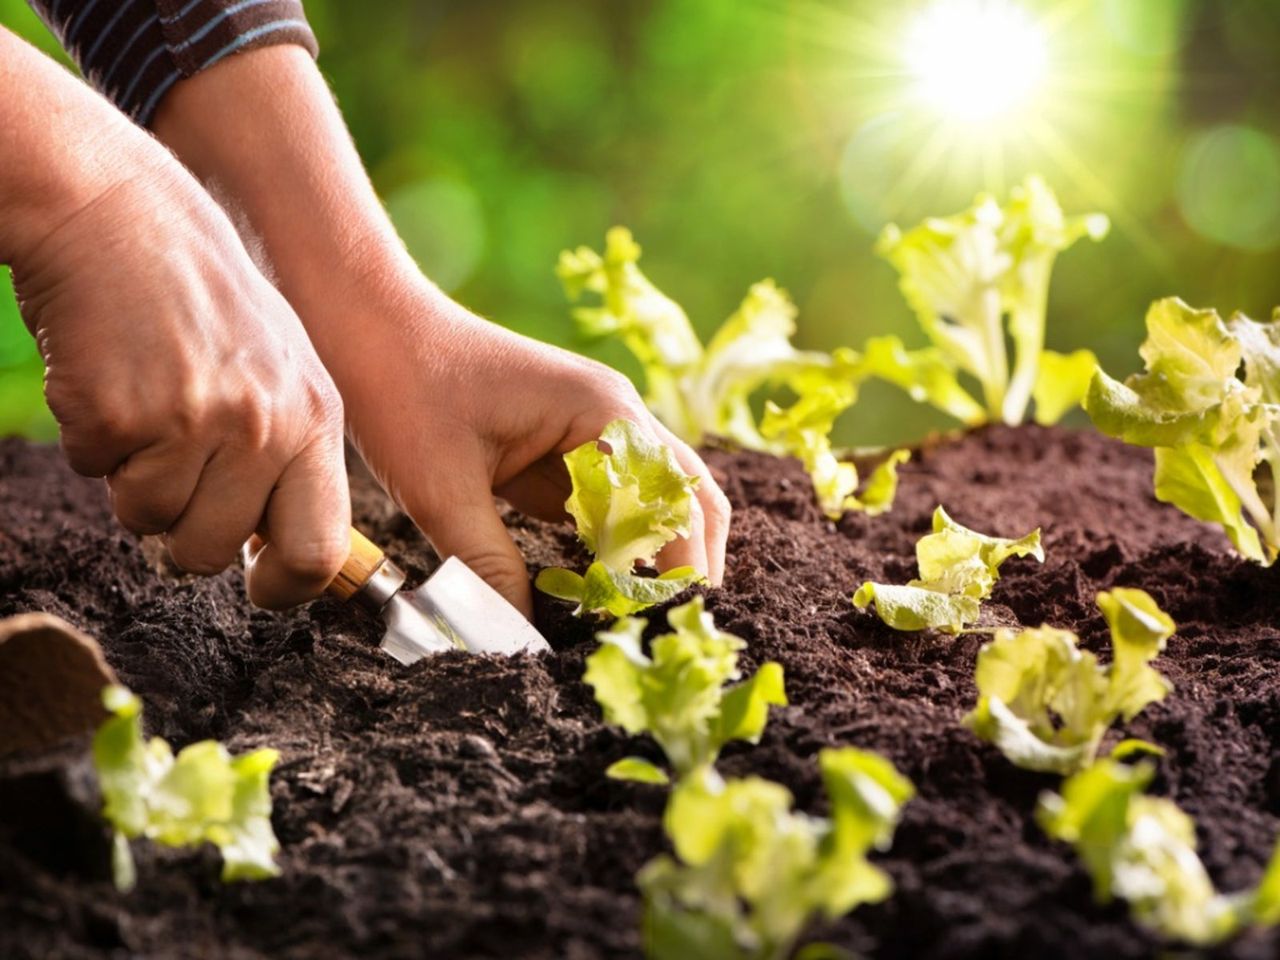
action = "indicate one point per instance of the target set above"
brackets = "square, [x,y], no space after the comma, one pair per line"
[458,808]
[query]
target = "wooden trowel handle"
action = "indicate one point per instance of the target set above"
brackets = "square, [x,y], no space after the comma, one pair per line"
[362,563]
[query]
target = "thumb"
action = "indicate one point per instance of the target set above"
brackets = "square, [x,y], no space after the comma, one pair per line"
[464,523]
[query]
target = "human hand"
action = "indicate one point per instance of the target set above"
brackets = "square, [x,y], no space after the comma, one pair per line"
[179,373]
[447,408]
[452,410]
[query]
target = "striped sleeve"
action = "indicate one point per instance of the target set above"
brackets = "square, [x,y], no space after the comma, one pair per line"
[134,51]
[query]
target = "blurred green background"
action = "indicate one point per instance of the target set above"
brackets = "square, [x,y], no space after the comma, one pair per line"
[742,139]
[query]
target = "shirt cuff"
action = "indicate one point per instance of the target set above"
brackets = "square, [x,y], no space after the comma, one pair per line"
[134,51]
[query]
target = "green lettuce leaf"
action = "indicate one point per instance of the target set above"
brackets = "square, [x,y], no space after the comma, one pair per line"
[749,872]
[201,795]
[637,770]
[651,325]
[680,695]
[630,498]
[803,430]
[1062,383]
[1139,630]
[1210,430]
[925,375]
[958,568]
[917,608]
[601,590]
[964,276]
[697,392]
[1142,849]
[1034,231]
[700,393]
[1046,704]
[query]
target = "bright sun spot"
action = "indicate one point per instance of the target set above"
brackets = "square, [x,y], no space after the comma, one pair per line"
[976,60]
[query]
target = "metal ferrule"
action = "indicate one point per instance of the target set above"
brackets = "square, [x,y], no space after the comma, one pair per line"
[382,585]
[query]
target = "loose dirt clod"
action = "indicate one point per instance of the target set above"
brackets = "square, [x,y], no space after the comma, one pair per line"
[458,808]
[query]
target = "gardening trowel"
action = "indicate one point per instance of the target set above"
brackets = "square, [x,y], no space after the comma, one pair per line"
[453,610]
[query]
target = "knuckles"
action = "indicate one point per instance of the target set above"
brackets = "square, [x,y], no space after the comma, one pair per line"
[316,559]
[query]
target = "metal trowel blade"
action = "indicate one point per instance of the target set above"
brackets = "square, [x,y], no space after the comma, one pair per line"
[456,610]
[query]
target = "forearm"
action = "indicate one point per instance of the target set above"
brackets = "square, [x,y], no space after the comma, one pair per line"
[289,164]
[63,146]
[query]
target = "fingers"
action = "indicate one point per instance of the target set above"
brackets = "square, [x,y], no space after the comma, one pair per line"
[461,521]
[152,488]
[306,529]
[709,532]
[225,508]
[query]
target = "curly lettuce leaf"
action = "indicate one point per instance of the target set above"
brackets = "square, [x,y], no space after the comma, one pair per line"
[700,393]
[749,873]
[1142,849]
[651,325]
[1139,630]
[750,350]
[201,795]
[803,430]
[965,274]
[958,569]
[697,392]
[1046,704]
[881,488]
[680,695]
[630,498]
[1210,430]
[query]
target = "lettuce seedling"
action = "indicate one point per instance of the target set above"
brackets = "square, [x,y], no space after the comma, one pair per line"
[202,795]
[630,498]
[804,430]
[1046,704]
[749,872]
[958,569]
[1211,430]
[706,392]
[1143,850]
[679,695]
[974,279]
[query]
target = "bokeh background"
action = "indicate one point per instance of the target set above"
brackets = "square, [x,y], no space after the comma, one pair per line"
[742,139]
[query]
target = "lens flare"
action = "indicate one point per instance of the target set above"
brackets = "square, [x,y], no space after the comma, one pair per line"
[976,61]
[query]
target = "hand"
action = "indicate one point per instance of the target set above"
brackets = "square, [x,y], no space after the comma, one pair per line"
[176,371]
[447,409]
[453,409]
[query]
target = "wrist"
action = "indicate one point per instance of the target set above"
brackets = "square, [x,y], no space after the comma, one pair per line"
[65,147]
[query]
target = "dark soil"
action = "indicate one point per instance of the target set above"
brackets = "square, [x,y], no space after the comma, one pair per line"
[458,808]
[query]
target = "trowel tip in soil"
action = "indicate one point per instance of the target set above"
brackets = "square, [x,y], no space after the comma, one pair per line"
[456,610]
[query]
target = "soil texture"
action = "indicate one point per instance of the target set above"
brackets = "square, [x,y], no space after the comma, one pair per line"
[458,808]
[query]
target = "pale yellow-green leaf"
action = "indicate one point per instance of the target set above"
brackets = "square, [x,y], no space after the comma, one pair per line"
[1062,383]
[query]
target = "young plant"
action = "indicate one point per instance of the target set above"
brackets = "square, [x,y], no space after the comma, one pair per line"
[1143,850]
[958,569]
[749,873]
[701,392]
[1211,430]
[804,430]
[973,280]
[1046,704]
[678,695]
[202,795]
[629,499]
